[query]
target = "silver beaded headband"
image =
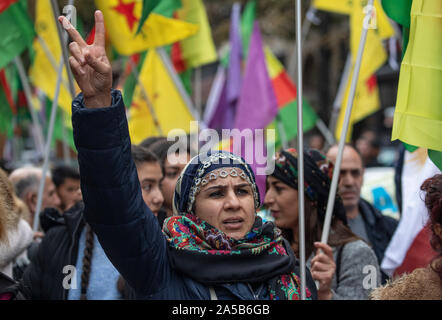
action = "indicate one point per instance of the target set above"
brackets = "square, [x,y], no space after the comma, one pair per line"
[201,179]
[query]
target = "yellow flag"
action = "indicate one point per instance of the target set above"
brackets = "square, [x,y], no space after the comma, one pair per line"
[198,49]
[338,6]
[374,56]
[366,102]
[418,113]
[43,72]
[168,105]
[121,18]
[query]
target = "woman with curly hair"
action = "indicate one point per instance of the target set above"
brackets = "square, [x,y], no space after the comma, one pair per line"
[422,283]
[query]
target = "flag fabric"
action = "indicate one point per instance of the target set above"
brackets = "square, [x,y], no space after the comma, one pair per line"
[130,80]
[16,31]
[418,113]
[283,86]
[409,247]
[366,99]
[234,74]
[198,49]
[336,6]
[257,107]
[223,97]
[168,105]
[399,11]
[6,111]
[285,91]
[48,53]
[214,116]
[122,17]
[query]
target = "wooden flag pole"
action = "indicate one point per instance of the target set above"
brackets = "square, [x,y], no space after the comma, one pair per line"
[337,168]
[301,214]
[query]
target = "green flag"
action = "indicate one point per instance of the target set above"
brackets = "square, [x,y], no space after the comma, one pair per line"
[16,31]
[399,11]
[418,113]
[164,7]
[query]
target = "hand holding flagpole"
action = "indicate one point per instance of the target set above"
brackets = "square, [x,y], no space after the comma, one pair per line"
[90,65]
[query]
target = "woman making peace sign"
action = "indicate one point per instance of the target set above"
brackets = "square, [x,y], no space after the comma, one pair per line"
[214,247]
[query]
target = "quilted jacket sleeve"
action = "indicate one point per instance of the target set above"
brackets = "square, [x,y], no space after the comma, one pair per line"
[114,207]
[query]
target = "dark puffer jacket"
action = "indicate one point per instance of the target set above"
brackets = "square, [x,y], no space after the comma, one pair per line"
[43,278]
[126,228]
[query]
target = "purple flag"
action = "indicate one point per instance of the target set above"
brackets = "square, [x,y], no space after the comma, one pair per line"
[234,70]
[257,107]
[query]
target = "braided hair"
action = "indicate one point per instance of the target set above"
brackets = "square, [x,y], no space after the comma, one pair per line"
[87,259]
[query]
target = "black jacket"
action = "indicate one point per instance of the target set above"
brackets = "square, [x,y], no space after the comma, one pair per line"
[43,278]
[379,228]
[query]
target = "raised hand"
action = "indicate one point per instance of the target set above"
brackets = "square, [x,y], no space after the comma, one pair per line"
[90,65]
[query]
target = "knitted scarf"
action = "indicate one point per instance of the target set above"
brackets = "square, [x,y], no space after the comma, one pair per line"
[261,256]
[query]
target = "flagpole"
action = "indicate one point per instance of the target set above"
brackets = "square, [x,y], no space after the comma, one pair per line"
[65,54]
[328,135]
[48,146]
[146,97]
[28,93]
[182,91]
[198,89]
[300,153]
[337,168]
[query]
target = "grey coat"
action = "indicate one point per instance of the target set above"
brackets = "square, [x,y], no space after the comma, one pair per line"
[359,272]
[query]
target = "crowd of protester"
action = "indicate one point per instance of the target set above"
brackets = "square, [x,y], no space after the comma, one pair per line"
[134,224]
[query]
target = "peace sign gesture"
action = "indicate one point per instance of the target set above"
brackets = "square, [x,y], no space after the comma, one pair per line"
[89,64]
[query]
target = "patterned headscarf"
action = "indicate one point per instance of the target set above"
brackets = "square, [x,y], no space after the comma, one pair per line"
[196,174]
[317,178]
[262,255]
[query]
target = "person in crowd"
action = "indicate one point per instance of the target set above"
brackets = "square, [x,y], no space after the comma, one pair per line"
[172,168]
[26,181]
[74,242]
[146,143]
[67,184]
[214,247]
[363,218]
[316,141]
[369,145]
[16,234]
[422,283]
[339,264]
[70,263]
[150,177]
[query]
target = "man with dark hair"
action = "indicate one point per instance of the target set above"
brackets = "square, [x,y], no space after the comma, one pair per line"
[368,146]
[150,176]
[146,143]
[363,219]
[172,167]
[67,184]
